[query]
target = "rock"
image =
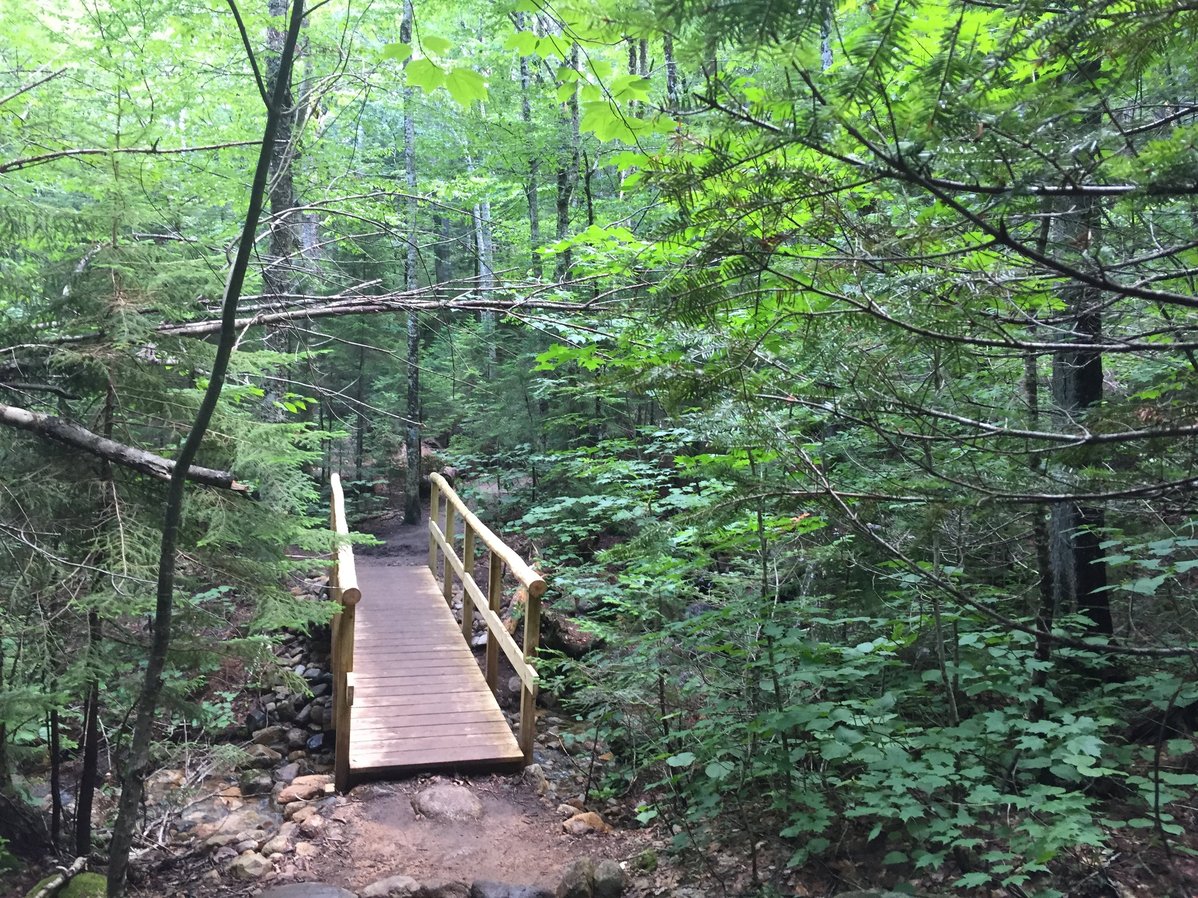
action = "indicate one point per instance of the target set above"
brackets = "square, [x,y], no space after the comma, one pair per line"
[287,773]
[301,813]
[317,716]
[256,720]
[477,642]
[320,689]
[567,810]
[311,825]
[262,756]
[305,890]
[314,743]
[306,849]
[255,782]
[398,886]
[534,774]
[281,843]
[577,880]
[438,889]
[588,822]
[301,719]
[296,738]
[485,889]
[269,735]
[609,881]
[445,801]
[249,865]
[303,788]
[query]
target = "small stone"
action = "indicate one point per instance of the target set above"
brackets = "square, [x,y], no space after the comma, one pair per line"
[306,849]
[398,886]
[281,843]
[478,641]
[303,788]
[256,720]
[609,881]
[244,845]
[577,880]
[444,801]
[588,822]
[320,689]
[535,775]
[311,825]
[249,865]
[314,743]
[256,782]
[567,810]
[316,715]
[262,756]
[269,735]
[296,738]
[313,673]
[302,811]
[305,714]
[287,773]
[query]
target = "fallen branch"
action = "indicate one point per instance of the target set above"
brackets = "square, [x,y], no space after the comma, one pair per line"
[128,456]
[54,884]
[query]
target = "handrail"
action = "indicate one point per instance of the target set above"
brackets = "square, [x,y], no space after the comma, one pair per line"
[343,583]
[489,605]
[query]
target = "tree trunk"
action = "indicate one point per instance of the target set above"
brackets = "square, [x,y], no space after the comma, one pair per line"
[138,760]
[567,173]
[534,165]
[411,507]
[486,278]
[1078,572]
[672,90]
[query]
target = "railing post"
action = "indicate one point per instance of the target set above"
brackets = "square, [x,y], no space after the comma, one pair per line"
[447,585]
[528,694]
[494,602]
[344,583]
[467,602]
[434,515]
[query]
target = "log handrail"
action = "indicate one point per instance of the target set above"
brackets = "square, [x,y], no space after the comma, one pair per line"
[343,587]
[488,605]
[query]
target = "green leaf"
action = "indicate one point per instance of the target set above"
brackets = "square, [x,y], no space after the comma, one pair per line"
[425,74]
[523,42]
[466,86]
[435,44]
[683,759]
[719,770]
[398,52]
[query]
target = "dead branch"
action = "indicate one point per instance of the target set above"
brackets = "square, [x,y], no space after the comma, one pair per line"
[140,460]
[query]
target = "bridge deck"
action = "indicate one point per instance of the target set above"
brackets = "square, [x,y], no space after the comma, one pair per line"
[420,700]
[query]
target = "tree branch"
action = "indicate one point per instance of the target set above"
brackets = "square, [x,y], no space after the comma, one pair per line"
[139,460]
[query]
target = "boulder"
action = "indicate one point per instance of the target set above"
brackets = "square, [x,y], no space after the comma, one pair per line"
[439,889]
[486,889]
[255,782]
[609,881]
[398,886]
[305,890]
[262,756]
[287,773]
[447,802]
[578,880]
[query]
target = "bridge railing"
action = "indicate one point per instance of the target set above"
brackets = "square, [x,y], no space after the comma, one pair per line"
[343,586]
[441,530]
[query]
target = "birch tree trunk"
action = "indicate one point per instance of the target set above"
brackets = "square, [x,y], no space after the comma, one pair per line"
[531,187]
[484,241]
[411,490]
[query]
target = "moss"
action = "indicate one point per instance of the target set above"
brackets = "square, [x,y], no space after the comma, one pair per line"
[85,885]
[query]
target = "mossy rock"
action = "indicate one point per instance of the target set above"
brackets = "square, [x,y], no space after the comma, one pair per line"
[85,885]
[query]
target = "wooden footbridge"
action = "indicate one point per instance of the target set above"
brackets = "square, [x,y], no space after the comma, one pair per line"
[408,694]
